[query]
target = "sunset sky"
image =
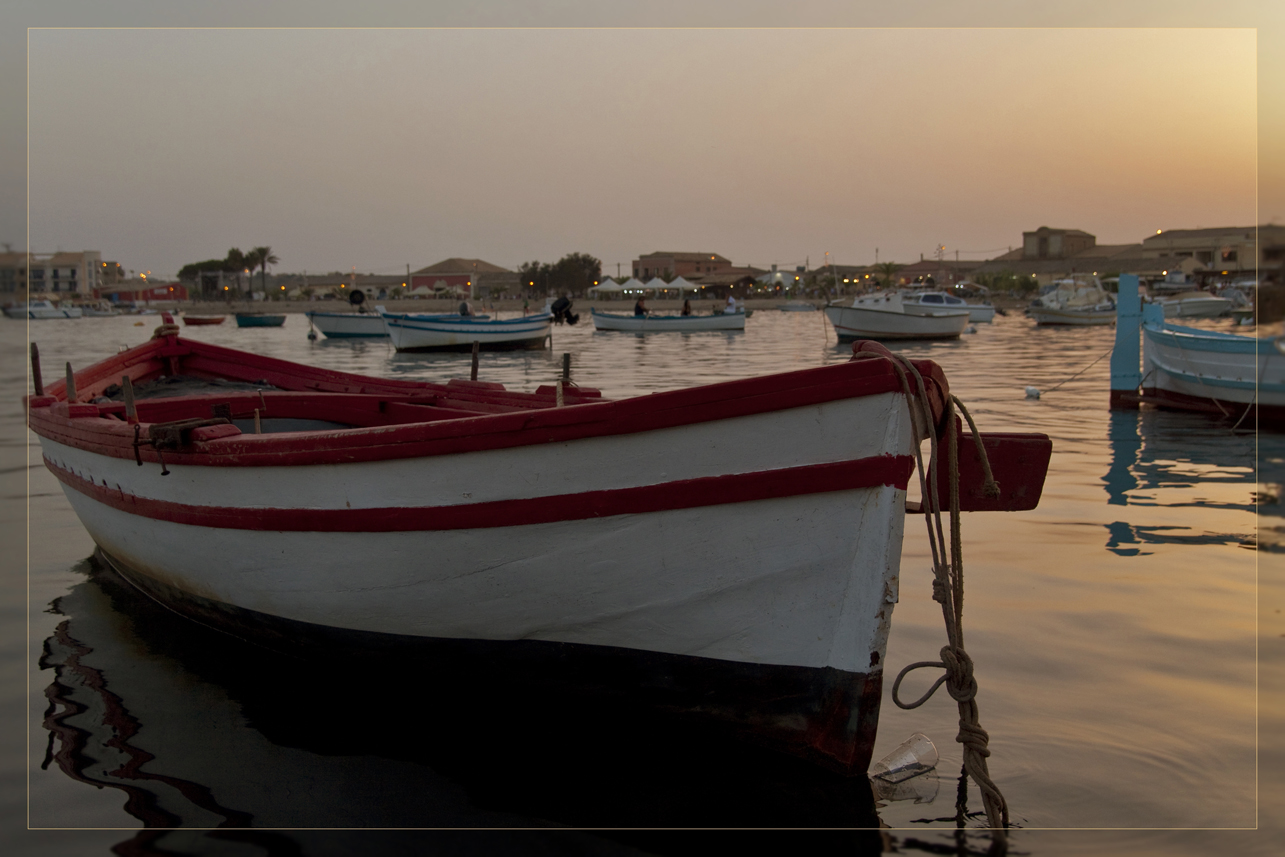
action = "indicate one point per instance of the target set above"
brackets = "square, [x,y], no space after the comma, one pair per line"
[378,148]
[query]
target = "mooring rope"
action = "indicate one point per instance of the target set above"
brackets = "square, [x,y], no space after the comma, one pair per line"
[948,581]
[1081,372]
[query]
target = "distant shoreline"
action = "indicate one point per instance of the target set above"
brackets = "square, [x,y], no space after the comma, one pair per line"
[437,305]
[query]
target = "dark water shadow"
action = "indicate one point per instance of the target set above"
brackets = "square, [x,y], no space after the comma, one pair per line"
[200,729]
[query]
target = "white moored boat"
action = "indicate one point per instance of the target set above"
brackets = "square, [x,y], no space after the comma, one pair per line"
[411,332]
[42,310]
[1194,304]
[1077,300]
[348,325]
[1192,369]
[603,539]
[885,316]
[657,323]
[927,302]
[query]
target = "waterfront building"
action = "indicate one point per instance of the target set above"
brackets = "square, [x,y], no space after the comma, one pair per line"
[473,278]
[668,265]
[57,275]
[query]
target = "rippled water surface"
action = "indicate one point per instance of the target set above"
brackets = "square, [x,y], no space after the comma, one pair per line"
[1127,635]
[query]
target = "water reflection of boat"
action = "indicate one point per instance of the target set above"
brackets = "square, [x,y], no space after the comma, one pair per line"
[668,323]
[201,731]
[614,543]
[1163,451]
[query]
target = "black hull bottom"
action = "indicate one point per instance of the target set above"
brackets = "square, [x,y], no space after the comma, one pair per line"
[824,715]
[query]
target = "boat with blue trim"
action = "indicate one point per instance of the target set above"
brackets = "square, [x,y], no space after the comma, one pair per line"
[1188,368]
[456,332]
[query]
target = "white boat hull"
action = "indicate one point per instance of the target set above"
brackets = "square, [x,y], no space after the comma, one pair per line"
[43,313]
[668,323]
[866,323]
[1204,307]
[1213,366]
[458,333]
[804,580]
[348,325]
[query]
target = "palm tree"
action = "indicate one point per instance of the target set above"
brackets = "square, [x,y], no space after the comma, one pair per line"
[263,258]
[886,271]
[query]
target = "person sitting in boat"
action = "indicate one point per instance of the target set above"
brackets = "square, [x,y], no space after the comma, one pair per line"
[465,309]
[640,308]
[731,305]
[687,308]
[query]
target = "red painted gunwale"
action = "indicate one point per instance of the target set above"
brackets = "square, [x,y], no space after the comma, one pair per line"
[456,417]
[679,494]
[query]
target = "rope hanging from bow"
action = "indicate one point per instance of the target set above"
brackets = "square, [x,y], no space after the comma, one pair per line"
[948,580]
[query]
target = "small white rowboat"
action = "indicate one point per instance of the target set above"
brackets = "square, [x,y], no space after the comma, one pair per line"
[411,332]
[316,512]
[348,325]
[885,316]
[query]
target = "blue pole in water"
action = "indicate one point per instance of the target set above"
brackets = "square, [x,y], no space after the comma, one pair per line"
[1125,373]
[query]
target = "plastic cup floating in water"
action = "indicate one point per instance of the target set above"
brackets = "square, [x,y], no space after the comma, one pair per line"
[912,757]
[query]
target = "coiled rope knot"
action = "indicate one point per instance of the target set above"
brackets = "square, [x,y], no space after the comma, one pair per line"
[960,683]
[939,590]
[974,738]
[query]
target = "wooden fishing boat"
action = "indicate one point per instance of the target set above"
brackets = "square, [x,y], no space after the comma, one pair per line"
[453,332]
[348,325]
[621,546]
[885,316]
[1191,369]
[203,319]
[259,319]
[668,323]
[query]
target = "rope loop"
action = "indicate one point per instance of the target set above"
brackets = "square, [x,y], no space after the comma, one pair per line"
[896,685]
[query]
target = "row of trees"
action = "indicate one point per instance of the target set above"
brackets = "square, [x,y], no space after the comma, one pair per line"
[574,274]
[235,261]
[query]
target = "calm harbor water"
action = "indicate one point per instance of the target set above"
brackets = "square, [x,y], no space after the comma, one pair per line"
[1128,638]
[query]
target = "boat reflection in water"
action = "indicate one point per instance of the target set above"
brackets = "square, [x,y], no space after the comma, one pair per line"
[201,731]
[1153,450]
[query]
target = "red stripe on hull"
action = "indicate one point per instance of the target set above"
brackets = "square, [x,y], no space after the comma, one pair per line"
[683,494]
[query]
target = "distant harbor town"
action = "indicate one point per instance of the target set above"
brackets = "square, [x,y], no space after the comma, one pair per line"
[1245,256]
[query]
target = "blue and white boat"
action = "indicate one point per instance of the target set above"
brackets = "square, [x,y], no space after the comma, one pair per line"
[1192,369]
[348,325]
[454,332]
